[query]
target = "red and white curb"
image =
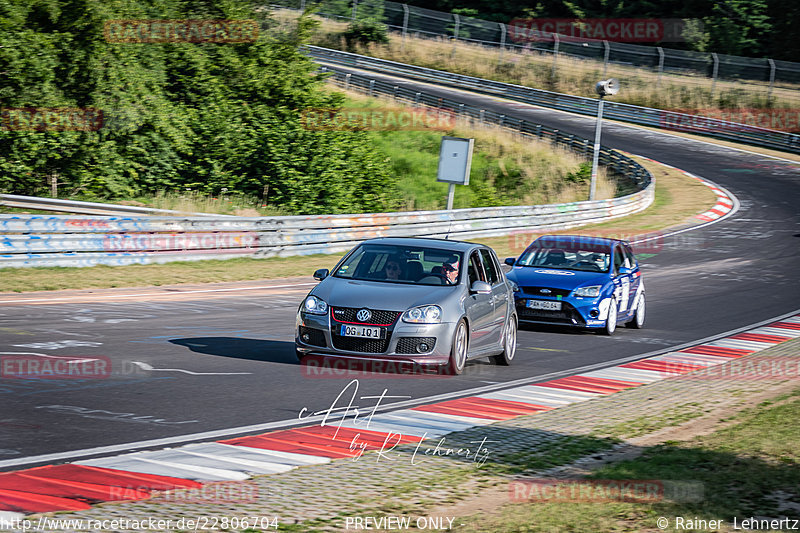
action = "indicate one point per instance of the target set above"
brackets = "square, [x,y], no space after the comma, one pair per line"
[138,475]
[723,206]
[726,203]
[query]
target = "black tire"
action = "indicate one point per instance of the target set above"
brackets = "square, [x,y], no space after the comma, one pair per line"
[637,322]
[505,357]
[458,350]
[611,320]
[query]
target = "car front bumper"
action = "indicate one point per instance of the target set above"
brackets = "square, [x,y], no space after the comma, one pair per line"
[314,335]
[575,311]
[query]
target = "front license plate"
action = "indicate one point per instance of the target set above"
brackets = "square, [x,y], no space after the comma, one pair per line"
[367,332]
[544,304]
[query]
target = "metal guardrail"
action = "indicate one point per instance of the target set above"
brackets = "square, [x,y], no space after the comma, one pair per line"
[65,240]
[720,129]
[87,208]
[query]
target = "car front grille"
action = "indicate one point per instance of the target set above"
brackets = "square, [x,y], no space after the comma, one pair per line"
[409,344]
[316,337]
[567,315]
[356,344]
[553,291]
[378,318]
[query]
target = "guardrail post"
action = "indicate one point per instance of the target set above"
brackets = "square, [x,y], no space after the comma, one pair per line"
[405,20]
[502,43]
[355,10]
[347,81]
[371,87]
[394,92]
[771,78]
[502,120]
[482,114]
[302,5]
[605,57]
[416,98]
[555,54]
[660,65]
[539,131]
[460,109]
[714,73]
[455,33]
[522,127]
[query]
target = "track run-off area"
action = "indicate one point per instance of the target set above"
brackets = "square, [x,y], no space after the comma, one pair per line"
[178,365]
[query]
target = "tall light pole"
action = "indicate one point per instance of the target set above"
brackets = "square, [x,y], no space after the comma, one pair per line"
[607,87]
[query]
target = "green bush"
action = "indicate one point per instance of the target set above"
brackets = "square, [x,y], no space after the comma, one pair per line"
[362,32]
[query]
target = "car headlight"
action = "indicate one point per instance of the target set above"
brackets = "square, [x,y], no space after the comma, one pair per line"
[315,306]
[426,314]
[592,291]
[514,285]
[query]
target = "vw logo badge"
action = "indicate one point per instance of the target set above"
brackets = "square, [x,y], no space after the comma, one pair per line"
[363,315]
[545,291]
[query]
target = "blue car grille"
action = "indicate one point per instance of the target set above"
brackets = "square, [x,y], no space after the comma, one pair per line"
[552,291]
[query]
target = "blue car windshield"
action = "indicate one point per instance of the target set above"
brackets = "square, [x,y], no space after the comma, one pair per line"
[587,259]
[402,264]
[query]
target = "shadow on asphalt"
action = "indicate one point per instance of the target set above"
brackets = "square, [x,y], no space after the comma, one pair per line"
[241,348]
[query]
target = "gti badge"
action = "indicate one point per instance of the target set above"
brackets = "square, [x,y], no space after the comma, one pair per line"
[545,291]
[363,315]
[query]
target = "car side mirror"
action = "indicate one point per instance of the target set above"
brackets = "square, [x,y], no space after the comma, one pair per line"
[480,287]
[510,261]
[624,270]
[321,274]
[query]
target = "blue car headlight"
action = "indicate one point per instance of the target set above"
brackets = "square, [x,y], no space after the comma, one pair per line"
[592,291]
[425,314]
[514,285]
[315,306]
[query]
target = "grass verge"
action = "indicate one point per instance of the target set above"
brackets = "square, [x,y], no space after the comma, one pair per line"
[746,470]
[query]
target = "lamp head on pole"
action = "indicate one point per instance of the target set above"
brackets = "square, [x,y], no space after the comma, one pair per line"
[608,87]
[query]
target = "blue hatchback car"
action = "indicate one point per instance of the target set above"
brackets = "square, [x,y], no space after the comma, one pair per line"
[573,280]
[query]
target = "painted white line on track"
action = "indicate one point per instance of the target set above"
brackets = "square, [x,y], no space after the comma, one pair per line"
[145,366]
[149,294]
[71,359]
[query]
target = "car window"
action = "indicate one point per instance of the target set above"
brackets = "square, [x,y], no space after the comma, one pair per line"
[489,267]
[619,259]
[567,256]
[400,264]
[475,269]
[630,259]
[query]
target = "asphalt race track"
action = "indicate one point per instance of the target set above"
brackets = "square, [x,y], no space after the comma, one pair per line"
[175,362]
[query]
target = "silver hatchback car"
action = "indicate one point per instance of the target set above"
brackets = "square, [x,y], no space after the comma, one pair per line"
[415,300]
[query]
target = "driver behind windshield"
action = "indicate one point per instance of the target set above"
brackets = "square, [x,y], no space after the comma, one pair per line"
[450,270]
[392,270]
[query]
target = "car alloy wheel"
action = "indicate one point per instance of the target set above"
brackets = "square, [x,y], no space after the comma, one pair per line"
[458,351]
[611,320]
[509,344]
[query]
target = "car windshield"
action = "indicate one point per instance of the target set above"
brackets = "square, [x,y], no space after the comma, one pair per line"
[567,256]
[402,264]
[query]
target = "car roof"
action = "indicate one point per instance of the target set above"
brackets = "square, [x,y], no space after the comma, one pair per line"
[428,242]
[579,239]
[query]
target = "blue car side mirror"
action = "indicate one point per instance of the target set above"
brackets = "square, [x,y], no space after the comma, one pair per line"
[510,261]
